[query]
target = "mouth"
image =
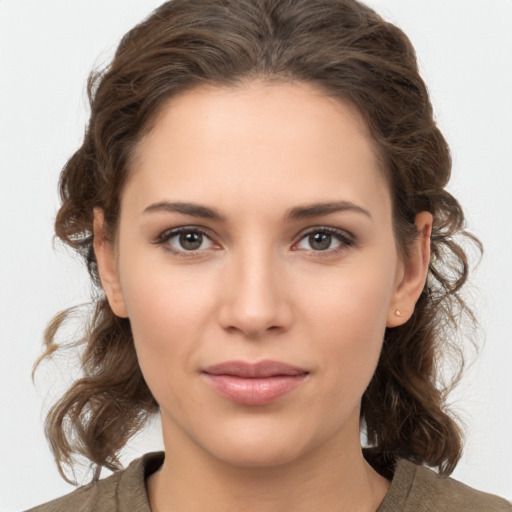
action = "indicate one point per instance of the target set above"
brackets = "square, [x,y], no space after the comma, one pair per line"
[254,383]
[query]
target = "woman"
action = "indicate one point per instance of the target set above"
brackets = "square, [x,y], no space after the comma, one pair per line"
[260,195]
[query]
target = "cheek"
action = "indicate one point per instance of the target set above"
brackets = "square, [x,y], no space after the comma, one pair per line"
[353,299]
[164,306]
[348,324]
[168,312]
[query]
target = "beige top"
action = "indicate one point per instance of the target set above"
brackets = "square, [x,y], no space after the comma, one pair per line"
[413,489]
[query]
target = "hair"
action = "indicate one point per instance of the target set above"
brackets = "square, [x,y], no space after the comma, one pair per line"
[348,51]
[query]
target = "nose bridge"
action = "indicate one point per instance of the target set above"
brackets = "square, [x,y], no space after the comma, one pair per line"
[254,298]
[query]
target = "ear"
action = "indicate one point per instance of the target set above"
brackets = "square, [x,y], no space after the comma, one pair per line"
[107,265]
[411,280]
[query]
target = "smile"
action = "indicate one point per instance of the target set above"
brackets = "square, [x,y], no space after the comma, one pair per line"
[254,384]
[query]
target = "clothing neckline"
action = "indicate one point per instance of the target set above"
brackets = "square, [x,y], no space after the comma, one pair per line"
[134,479]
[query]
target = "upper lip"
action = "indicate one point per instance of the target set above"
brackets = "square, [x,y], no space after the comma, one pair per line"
[261,369]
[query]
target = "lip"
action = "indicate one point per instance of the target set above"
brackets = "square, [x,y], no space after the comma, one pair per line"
[254,383]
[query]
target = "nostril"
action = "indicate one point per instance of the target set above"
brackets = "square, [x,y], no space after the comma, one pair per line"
[253,304]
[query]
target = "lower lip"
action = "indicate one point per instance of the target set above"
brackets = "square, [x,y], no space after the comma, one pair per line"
[254,391]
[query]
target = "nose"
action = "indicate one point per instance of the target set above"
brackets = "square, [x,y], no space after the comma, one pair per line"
[254,295]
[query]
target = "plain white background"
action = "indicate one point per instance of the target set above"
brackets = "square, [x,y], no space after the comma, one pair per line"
[48,48]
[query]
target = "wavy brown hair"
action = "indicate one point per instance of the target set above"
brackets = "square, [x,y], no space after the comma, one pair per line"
[349,52]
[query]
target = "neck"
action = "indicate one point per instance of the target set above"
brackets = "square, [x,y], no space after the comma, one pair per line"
[333,478]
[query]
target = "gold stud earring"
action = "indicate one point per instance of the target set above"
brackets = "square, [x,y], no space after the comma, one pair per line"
[398,312]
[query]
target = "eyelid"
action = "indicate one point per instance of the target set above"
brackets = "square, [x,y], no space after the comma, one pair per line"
[166,235]
[345,238]
[169,233]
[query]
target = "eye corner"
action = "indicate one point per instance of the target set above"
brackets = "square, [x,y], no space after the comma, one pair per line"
[345,240]
[165,238]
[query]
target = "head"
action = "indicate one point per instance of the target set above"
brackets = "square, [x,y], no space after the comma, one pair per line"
[199,85]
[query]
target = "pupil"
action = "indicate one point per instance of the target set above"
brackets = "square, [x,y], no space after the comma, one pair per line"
[320,241]
[191,241]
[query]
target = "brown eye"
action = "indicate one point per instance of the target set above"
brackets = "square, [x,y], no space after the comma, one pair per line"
[185,240]
[326,239]
[191,240]
[320,241]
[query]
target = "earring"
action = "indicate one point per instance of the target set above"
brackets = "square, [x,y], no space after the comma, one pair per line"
[398,313]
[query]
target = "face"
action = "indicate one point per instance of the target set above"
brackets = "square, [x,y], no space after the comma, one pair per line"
[256,226]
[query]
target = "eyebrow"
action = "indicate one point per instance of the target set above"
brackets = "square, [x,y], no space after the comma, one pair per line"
[295,213]
[192,209]
[318,209]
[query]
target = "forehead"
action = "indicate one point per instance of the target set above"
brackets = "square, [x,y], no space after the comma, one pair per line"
[258,141]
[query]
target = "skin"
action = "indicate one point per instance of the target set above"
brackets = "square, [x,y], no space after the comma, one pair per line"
[258,288]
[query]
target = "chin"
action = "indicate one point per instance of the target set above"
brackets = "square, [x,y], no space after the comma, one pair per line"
[257,455]
[258,446]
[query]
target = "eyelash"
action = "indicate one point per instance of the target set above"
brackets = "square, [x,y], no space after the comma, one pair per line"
[171,233]
[346,240]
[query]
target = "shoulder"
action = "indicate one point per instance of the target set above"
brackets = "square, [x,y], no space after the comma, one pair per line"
[430,487]
[420,489]
[122,491]
[98,496]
